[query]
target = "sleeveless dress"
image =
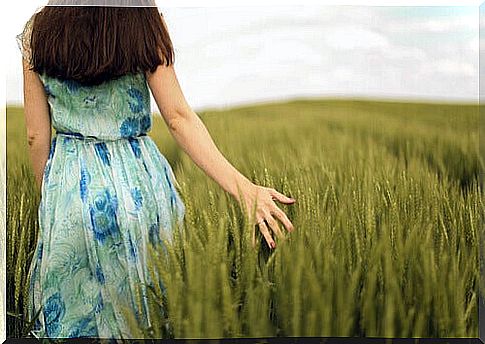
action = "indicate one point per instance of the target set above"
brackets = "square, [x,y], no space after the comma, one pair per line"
[107,193]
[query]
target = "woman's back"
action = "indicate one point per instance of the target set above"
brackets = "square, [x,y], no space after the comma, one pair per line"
[107,193]
[111,110]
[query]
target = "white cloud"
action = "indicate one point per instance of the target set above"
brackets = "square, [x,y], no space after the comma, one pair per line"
[435,24]
[354,37]
[454,68]
[343,73]
[447,24]
[409,54]
[473,45]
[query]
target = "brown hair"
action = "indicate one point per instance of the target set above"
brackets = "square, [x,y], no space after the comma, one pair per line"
[92,44]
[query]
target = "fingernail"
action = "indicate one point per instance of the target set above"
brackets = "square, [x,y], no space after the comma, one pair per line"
[273,245]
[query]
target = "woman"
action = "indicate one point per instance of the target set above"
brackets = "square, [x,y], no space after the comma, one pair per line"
[106,190]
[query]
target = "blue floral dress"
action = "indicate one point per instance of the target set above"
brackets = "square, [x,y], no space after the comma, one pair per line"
[107,194]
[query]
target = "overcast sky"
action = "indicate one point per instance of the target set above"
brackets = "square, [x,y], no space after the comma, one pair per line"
[231,55]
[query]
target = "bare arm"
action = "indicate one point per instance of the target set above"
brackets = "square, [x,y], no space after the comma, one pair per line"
[37,122]
[190,133]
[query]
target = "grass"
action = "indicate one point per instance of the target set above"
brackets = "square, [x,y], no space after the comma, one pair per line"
[387,216]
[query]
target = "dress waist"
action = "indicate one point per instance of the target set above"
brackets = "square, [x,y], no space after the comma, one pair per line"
[95,138]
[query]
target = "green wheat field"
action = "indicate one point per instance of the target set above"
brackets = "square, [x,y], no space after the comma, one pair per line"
[386,220]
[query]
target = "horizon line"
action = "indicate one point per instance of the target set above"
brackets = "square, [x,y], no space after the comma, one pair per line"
[387,99]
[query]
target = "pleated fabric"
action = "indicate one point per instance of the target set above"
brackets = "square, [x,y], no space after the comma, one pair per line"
[107,194]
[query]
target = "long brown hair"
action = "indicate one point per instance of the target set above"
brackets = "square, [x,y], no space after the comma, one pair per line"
[92,44]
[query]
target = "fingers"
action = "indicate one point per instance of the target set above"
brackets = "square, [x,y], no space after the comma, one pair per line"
[264,230]
[280,197]
[280,215]
[266,210]
[274,226]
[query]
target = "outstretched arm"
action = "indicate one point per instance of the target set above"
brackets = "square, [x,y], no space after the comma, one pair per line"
[192,136]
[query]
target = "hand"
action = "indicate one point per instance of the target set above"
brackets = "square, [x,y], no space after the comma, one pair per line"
[263,198]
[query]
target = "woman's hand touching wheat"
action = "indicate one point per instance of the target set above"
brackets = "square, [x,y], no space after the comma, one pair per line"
[266,211]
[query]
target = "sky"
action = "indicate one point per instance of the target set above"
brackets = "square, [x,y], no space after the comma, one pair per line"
[226,56]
